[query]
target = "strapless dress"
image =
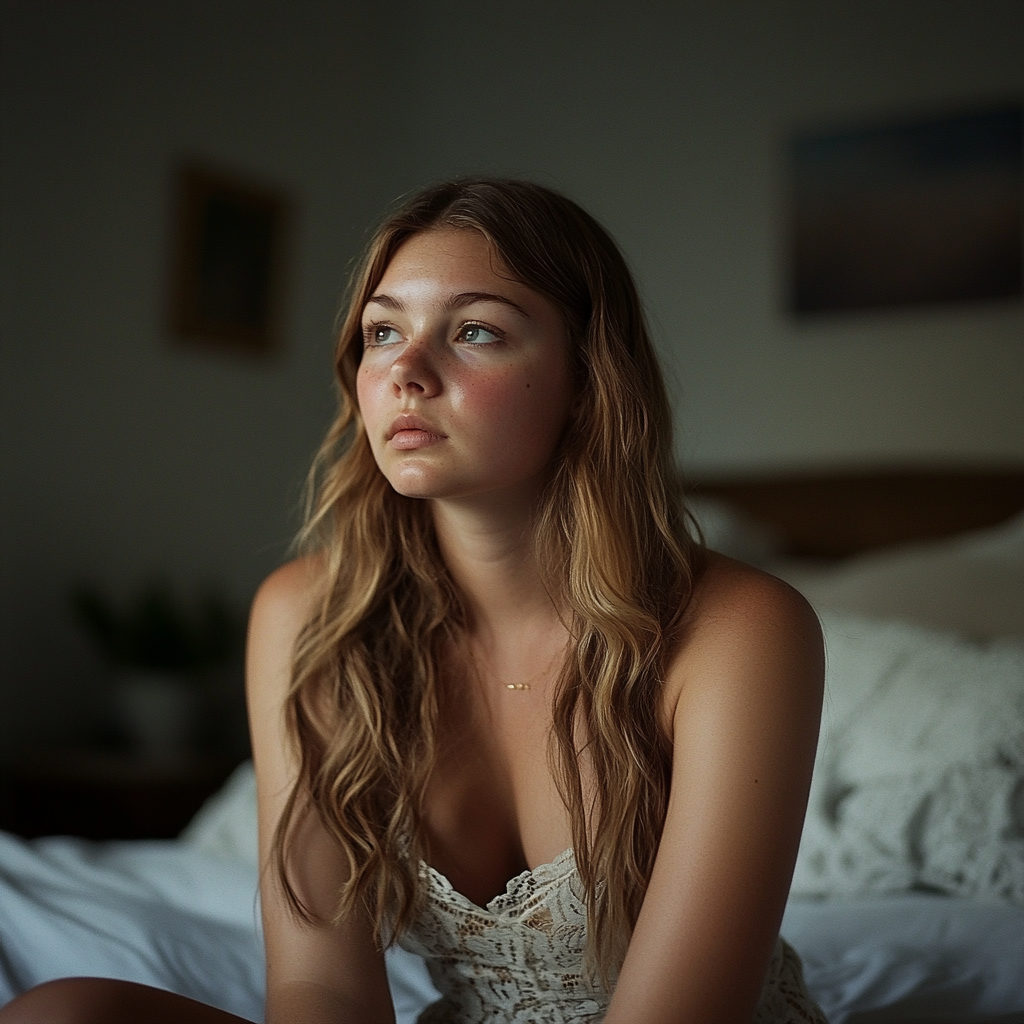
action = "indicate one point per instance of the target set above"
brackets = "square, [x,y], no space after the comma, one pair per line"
[519,960]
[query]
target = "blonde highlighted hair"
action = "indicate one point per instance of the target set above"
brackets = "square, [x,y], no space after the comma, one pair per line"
[363,707]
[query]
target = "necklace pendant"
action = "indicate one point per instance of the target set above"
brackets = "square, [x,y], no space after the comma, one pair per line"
[517,686]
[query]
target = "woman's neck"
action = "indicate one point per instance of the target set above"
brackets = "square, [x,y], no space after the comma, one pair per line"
[488,546]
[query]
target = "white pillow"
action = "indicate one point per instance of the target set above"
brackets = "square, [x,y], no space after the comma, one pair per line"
[906,699]
[970,839]
[972,583]
[961,834]
[225,826]
[919,730]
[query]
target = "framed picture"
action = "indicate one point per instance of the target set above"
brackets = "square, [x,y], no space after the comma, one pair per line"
[230,237]
[907,213]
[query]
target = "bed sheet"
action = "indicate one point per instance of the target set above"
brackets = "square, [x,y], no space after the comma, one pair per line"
[166,914]
[911,957]
[161,913]
[142,911]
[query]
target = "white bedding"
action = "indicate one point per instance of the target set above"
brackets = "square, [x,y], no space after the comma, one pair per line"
[972,584]
[160,913]
[171,915]
[919,784]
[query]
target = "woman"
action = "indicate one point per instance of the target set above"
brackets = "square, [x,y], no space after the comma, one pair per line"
[504,658]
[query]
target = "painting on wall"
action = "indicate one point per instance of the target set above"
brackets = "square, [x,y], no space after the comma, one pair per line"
[907,213]
[227,280]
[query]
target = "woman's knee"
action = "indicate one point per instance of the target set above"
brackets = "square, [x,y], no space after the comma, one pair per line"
[64,1001]
[104,1001]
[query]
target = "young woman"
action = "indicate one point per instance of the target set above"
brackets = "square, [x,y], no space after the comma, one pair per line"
[506,711]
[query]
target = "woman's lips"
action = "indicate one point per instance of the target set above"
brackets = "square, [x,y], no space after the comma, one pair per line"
[409,431]
[414,438]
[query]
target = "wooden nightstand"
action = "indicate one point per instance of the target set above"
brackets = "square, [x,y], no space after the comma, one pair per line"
[105,795]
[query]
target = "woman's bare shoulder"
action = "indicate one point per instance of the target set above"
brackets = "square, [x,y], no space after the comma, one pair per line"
[285,599]
[282,606]
[291,588]
[742,617]
[731,593]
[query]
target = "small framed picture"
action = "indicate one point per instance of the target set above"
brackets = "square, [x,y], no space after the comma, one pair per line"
[230,237]
[908,212]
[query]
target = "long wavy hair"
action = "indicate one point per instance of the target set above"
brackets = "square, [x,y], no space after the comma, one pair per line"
[612,539]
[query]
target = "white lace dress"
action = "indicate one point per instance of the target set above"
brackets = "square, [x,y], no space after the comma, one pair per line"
[519,959]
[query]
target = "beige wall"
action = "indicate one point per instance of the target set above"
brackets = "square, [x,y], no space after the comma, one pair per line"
[667,121]
[123,455]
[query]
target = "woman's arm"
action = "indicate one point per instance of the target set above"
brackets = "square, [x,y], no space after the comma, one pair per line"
[318,973]
[749,681]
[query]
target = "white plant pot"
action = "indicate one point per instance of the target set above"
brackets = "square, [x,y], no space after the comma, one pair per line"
[158,711]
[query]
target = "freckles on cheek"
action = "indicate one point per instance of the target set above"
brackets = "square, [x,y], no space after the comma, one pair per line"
[367,386]
[496,394]
[513,403]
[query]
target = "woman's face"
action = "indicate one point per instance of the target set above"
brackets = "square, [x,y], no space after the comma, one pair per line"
[464,384]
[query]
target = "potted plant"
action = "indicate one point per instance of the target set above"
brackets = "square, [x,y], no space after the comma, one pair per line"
[161,652]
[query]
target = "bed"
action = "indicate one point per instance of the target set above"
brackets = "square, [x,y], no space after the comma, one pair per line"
[908,895]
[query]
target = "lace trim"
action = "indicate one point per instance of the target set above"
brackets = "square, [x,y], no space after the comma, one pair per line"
[518,890]
[519,959]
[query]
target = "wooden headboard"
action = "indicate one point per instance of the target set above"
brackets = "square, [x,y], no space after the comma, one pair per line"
[837,514]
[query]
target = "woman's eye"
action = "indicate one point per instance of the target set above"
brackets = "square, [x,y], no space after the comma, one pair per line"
[474,334]
[380,334]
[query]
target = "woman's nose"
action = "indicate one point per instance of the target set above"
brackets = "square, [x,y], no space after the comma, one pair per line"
[414,370]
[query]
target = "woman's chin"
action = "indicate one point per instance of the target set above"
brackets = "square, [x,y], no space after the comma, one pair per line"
[416,485]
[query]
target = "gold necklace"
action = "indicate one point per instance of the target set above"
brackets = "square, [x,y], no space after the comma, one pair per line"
[511,686]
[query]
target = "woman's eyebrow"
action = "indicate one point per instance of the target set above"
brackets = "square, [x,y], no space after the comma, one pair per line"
[451,302]
[468,298]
